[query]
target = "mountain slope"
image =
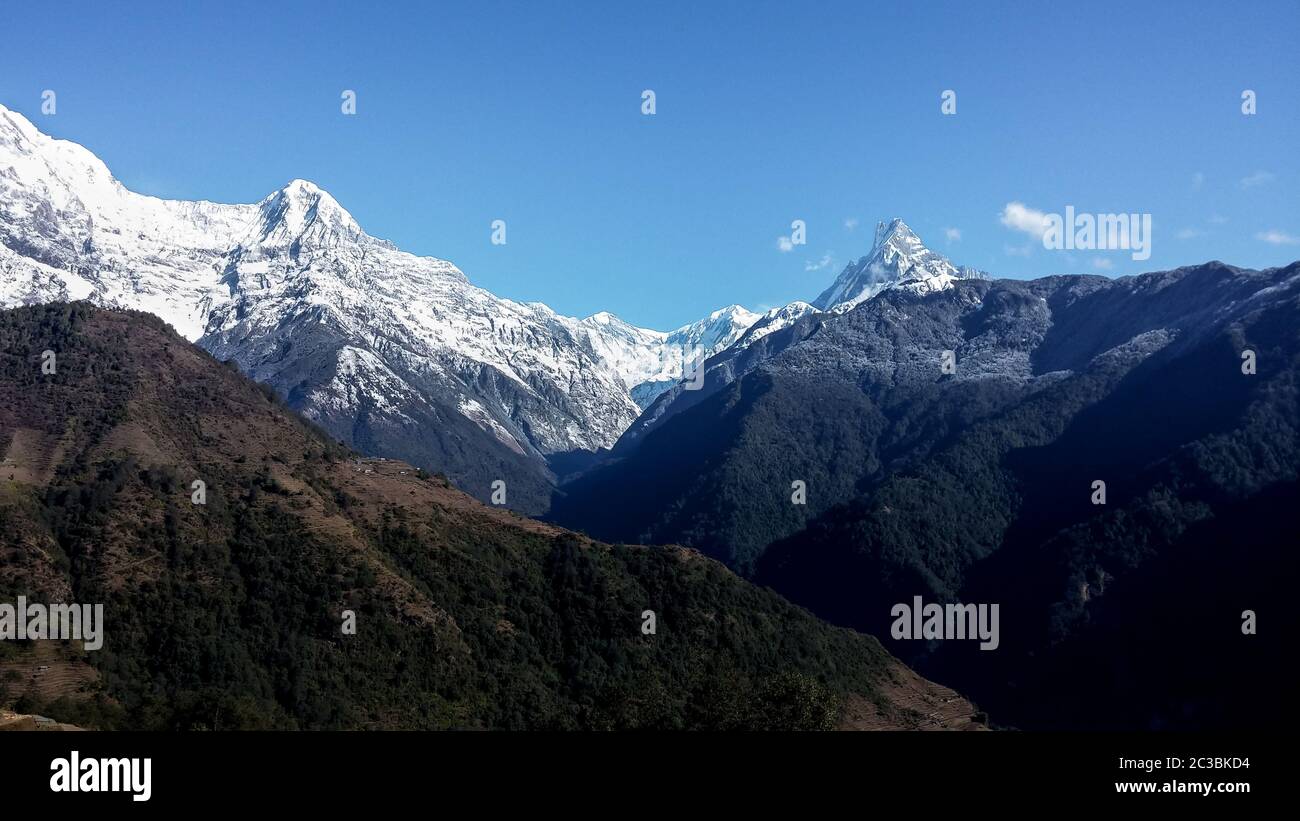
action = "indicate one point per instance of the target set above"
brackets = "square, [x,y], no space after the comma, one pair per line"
[976,486]
[764,417]
[831,400]
[392,353]
[1134,606]
[229,614]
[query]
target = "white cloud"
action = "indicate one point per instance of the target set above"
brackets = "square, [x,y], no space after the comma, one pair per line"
[1198,179]
[1023,218]
[952,234]
[1218,219]
[1189,233]
[1277,238]
[1258,178]
[1102,264]
[826,261]
[784,245]
[850,223]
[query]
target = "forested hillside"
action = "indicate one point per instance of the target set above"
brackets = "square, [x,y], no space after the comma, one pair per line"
[231,613]
[1178,390]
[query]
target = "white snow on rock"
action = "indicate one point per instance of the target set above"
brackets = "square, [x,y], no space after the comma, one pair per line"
[273,283]
[301,297]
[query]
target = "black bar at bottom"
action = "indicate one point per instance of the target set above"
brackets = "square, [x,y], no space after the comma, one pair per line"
[328,771]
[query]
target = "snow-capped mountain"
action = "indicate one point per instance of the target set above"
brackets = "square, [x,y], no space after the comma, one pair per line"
[68,230]
[394,353]
[898,259]
[650,362]
[774,320]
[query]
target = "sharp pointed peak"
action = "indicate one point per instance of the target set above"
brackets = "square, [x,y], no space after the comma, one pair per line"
[898,257]
[300,190]
[301,207]
[894,229]
[301,186]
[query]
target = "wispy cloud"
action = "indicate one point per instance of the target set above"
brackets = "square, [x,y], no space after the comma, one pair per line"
[784,245]
[827,260]
[1276,237]
[1102,264]
[1257,179]
[1218,219]
[850,223]
[1198,179]
[1020,217]
[952,234]
[1018,250]
[1189,233]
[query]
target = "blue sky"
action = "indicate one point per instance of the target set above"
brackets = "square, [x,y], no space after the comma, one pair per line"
[766,113]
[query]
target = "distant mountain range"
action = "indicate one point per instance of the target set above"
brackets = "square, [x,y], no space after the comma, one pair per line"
[390,352]
[394,354]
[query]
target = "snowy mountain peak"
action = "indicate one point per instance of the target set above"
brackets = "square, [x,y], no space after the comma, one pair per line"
[303,212]
[612,323]
[898,258]
[774,320]
[650,362]
[718,330]
[66,173]
[14,126]
[738,314]
[896,230]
